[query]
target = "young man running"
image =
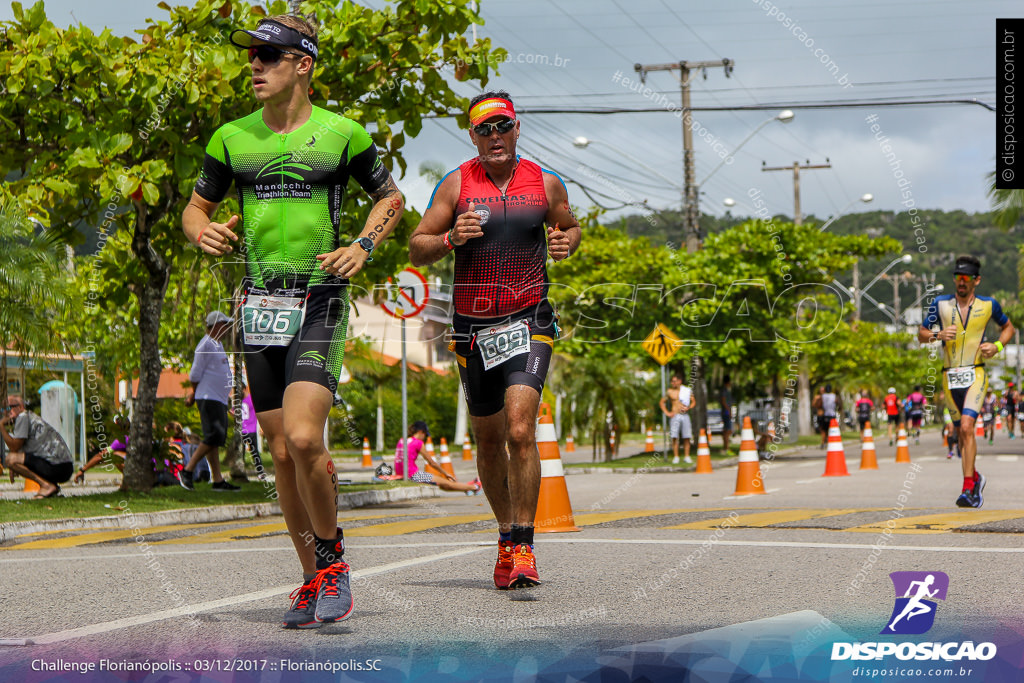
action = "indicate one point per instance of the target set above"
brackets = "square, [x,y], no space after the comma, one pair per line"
[502,216]
[961,319]
[291,162]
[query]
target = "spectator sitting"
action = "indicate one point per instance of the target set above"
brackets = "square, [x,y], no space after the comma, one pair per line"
[414,448]
[36,450]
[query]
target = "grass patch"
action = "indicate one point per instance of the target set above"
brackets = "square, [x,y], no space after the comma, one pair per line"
[157,500]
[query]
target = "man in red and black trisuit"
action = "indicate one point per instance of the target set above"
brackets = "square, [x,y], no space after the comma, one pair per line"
[502,216]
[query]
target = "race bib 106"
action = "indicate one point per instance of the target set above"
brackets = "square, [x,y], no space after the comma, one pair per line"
[271,320]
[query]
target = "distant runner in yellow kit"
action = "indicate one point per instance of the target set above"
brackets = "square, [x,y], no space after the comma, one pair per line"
[960,320]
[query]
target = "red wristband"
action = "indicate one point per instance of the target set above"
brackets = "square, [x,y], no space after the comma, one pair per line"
[199,240]
[447,241]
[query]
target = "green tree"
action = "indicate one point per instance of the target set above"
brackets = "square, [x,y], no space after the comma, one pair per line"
[35,290]
[104,129]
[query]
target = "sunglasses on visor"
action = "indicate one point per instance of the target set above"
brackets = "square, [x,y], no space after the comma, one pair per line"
[484,129]
[268,54]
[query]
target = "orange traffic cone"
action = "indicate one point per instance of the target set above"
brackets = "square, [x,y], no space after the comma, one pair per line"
[902,449]
[835,458]
[430,469]
[445,454]
[999,422]
[649,444]
[367,456]
[748,473]
[554,511]
[979,430]
[467,448]
[446,459]
[868,458]
[703,455]
[570,444]
[31,486]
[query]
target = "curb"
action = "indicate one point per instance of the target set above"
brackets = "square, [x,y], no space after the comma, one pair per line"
[661,469]
[219,513]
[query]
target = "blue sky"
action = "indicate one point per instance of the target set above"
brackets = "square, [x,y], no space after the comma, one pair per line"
[566,54]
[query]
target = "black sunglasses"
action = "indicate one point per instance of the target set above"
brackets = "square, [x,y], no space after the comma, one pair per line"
[268,54]
[485,129]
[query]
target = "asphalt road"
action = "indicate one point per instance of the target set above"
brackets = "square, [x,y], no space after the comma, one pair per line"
[757,585]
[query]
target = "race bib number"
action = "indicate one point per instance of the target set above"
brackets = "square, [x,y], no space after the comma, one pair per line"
[498,344]
[960,378]
[271,320]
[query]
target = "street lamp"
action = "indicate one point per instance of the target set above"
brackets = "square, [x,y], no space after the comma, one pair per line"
[583,142]
[784,116]
[906,258]
[866,198]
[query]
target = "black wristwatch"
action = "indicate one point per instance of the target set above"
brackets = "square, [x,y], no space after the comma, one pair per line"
[366,243]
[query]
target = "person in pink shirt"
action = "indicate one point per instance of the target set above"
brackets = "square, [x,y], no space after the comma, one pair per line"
[414,448]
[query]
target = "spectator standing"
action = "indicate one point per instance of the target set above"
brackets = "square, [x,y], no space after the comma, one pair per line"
[211,389]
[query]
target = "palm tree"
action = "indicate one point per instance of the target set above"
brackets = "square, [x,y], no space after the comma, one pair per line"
[1007,204]
[34,289]
[605,390]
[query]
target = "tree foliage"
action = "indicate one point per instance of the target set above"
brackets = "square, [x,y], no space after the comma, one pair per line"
[108,131]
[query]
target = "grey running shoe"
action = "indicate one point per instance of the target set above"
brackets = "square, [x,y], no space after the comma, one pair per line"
[972,498]
[185,479]
[333,593]
[224,485]
[301,613]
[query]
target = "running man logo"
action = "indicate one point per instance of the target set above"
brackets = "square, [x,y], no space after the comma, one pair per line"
[913,613]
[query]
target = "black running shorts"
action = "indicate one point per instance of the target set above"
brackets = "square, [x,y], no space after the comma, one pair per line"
[314,354]
[485,389]
[55,474]
[214,417]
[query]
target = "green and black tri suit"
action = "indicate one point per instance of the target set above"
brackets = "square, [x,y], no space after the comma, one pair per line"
[291,187]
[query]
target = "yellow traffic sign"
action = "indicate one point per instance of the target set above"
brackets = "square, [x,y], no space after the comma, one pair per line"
[662,344]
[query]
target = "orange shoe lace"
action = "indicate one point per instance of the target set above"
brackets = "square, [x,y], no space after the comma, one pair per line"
[523,555]
[505,555]
[322,576]
[304,593]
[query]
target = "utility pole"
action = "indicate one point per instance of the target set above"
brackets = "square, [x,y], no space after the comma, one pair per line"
[796,168]
[691,208]
[803,385]
[856,291]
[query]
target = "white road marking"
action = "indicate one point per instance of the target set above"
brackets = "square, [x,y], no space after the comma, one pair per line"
[813,463]
[786,544]
[94,629]
[1007,458]
[929,458]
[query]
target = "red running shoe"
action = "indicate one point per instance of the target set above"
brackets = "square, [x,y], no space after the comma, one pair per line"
[524,568]
[503,566]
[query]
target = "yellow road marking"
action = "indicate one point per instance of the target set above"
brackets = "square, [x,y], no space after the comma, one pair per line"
[937,524]
[253,531]
[589,518]
[763,519]
[102,537]
[412,526]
